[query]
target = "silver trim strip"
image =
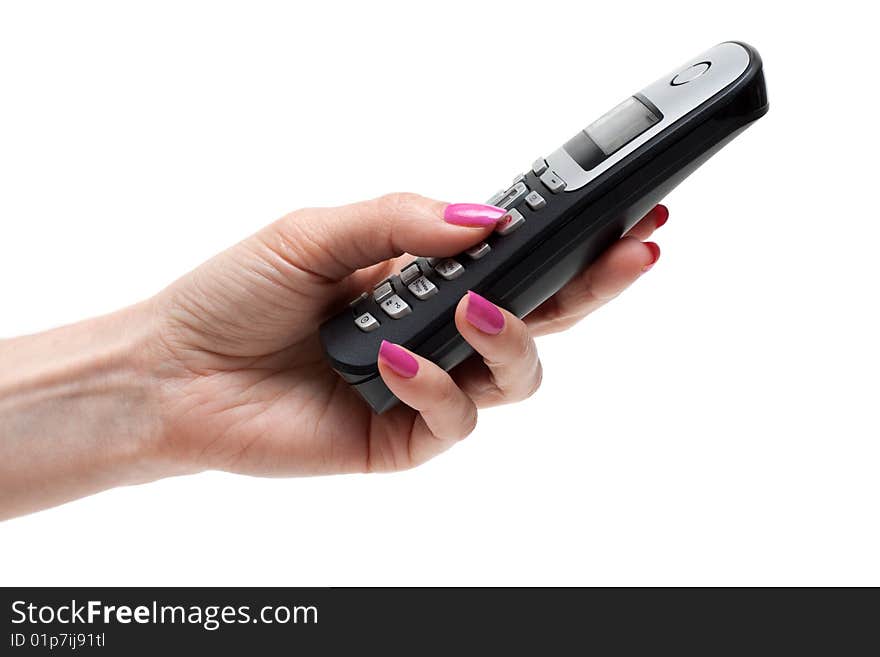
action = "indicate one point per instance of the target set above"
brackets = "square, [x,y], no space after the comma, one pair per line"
[729,61]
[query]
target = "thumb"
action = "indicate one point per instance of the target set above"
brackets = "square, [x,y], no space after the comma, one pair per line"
[334,242]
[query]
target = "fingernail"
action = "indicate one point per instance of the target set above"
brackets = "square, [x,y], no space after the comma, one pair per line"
[398,359]
[472,214]
[661,215]
[483,314]
[655,255]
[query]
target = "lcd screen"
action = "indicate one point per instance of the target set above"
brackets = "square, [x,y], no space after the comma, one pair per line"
[621,125]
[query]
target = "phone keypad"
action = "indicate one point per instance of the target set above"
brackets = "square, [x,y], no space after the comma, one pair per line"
[410,273]
[367,323]
[510,222]
[360,299]
[449,269]
[383,291]
[535,201]
[395,307]
[552,182]
[478,251]
[497,196]
[418,277]
[513,195]
[422,288]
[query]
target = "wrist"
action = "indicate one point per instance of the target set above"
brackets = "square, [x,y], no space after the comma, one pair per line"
[78,411]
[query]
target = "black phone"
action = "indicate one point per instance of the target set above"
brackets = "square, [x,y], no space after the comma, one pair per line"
[561,215]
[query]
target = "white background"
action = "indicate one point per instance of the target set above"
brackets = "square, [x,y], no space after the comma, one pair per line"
[715,425]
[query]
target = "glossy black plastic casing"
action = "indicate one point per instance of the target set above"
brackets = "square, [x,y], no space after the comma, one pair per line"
[556,242]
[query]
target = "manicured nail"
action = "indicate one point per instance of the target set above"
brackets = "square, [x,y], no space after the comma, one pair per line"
[473,214]
[483,314]
[398,359]
[661,215]
[655,255]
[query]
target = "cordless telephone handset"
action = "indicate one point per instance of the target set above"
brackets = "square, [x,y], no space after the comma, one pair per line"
[561,215]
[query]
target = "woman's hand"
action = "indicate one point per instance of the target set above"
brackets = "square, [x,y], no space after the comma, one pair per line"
[243,385]
[223,370]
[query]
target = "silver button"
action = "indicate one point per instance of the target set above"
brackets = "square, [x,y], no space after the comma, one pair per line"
[535,201]
[553,182]
[449,269]
[690,73]
[395,307]
[510,222]
[363,297]
[520,178]
[383,291]
[423,288]
[410,273]
[512,196]
[539,166]
[497,196]
[432,261]
[367,323]
[478,251]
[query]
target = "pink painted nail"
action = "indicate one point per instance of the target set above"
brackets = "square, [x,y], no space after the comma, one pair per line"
[483,314]
[655,255]
[398,359]
[475,215]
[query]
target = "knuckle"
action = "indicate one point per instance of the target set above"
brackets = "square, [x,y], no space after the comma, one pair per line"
[462,412]
[294,235]
[553,309]
[446,396]
[523,345]
[291,250]
[397,202]
[537,379]
[468,423]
